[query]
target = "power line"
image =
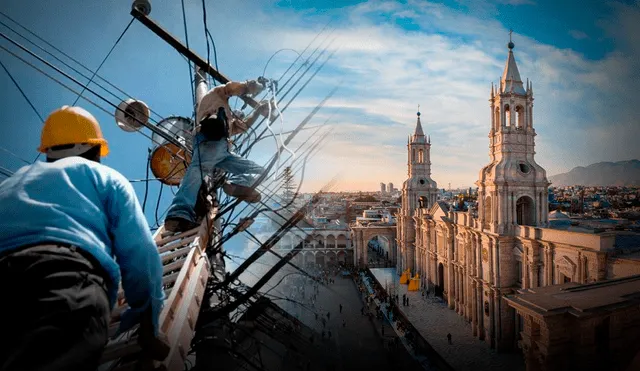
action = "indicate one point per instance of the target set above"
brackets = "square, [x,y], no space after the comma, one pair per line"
[103,61]
[70,58]
[21,91]
[6,172]
[14,155]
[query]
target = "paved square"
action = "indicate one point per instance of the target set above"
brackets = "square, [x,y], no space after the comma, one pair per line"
[434,320]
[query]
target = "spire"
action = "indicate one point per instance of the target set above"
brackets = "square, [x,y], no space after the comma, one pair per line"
[418,132]
[492,92]
[511,80]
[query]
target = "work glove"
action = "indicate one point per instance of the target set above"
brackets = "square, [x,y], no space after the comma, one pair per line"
[254,87]
[153,348]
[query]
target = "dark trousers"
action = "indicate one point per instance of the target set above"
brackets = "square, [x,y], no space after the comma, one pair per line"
[55,310]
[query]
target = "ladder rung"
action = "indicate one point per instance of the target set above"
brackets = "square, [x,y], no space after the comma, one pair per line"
[172,246]
[170,278]
[173,266]
[168,239]
[172,255]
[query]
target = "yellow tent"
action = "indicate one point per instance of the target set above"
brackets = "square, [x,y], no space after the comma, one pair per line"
[404,279]
[414,285]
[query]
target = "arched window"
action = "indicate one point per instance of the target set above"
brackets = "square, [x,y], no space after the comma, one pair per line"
[520,117]
[525,211]
[507,115]
[420,156]
[497,118]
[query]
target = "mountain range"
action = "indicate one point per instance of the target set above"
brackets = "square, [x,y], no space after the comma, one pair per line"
[621,173]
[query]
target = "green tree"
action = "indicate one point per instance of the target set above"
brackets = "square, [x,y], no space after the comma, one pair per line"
[288,185]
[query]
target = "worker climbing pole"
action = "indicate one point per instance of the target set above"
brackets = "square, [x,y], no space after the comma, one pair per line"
[151,286]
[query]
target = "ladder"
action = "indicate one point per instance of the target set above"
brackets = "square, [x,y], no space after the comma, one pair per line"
[186,269]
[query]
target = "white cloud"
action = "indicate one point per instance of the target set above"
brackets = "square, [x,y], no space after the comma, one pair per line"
[447,69]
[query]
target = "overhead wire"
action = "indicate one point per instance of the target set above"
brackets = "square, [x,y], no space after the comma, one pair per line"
[105,59]
[125,94]
[186,39]
[68,77]
[15,156]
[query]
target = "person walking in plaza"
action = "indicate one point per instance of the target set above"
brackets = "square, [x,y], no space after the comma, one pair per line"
[72,230]
[449,338]
[340,308]
[329,315]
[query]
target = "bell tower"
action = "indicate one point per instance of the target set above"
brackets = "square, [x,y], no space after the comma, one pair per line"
[513,188]
[419,190]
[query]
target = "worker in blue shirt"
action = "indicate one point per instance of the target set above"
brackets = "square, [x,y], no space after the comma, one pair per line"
[71,229]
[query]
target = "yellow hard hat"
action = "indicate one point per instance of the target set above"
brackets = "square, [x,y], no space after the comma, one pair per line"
[72,125]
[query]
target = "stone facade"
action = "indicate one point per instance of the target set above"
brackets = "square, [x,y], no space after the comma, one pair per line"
[477,257]
[583,327]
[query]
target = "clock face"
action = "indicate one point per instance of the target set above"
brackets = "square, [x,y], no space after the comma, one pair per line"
[485,254]
[422,181]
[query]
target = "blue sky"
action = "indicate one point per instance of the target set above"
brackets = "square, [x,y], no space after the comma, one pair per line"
[443,55]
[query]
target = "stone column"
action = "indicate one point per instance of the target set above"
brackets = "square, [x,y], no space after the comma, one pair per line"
[474,308]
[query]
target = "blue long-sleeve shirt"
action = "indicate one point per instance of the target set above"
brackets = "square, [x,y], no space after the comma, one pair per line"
[89,205]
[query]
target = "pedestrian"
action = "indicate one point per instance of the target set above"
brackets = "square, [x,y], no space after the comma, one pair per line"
[216,124]
[449,338]
[340,308]
[71,228]
[329,315]
[362,311]
[344,323]
[407,301]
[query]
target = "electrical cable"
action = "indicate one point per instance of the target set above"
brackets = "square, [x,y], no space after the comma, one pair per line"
[158,203]
[26,98]
[146,183]
[14,155]
[104,60]
[71,67]
[186,39]
[66,86]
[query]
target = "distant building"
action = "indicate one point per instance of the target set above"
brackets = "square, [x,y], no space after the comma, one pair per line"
[383,188]
[390,187]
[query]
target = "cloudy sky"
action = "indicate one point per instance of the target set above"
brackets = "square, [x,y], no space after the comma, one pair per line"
[389,57]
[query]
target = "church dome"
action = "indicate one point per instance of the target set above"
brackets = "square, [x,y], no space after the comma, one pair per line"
[558,215]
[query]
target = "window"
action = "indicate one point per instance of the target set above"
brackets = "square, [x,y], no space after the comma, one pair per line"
[519,272]
[524,168]
[420,156]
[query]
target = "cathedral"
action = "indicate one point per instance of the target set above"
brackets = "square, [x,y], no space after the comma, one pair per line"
[478,259]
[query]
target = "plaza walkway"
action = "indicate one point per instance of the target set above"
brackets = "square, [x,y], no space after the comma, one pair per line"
[361,343]
[434,320]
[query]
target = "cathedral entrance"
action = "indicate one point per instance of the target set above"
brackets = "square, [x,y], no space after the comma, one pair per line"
[440,285]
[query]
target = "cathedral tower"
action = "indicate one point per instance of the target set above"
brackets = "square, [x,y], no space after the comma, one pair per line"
[419,190]
[513,188]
